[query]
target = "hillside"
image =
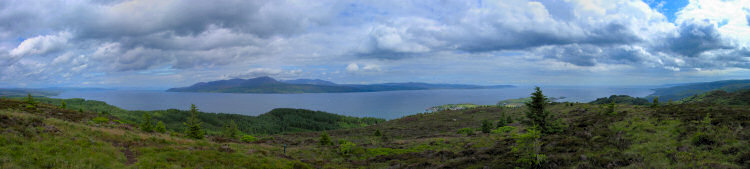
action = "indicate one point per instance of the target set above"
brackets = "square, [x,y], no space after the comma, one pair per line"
[44,136]
[721,97]
[678,135]
[686,90]
[270,85]
[276,121]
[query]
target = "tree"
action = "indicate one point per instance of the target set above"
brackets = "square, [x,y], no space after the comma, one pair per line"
[147,125]
[230,130]
[193,124]
[536,114]
[160,127]
[377,133]
[528,146]
[508,120]
[611,108]
[656,102]
[30,100]
[502,122]
[325,139]
[63,105]
[486,126]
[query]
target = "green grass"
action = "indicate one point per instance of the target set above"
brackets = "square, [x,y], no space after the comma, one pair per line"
[667,136]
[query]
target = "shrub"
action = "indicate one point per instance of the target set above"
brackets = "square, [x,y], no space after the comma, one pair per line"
[504,129]
[325,139]
[467,131]
[100,120]
[346,148]
[701,138]
[248,138]
[160,127]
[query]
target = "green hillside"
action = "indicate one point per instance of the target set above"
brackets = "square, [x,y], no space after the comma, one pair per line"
[276,121]
[572,135]
[682,91]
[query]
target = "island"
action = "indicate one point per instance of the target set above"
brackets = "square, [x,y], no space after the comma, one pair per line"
[267,84]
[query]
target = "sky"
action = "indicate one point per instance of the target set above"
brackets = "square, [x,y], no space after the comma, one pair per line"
[171,43]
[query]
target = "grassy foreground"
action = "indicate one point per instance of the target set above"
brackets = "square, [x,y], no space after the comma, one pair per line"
[688,135]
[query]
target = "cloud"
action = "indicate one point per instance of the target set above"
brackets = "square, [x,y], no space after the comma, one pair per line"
[368,67]
[41,45]
[53,42]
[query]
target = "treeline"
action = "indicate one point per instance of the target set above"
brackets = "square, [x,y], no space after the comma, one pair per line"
[621,99]
[280,120]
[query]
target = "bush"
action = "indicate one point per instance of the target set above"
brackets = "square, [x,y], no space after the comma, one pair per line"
[100,120]
[248,138]
[325,139]
[701,138]
[504,129]
[160,127]
[346,148]
[468,131]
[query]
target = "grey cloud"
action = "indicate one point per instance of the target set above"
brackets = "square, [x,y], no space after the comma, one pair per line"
[694,38]
[590,55]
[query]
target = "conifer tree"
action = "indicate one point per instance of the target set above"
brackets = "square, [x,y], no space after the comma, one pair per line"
[193,124]
[656,102]
[377,133]
[30,100]
[536,114]
[486,126]
[325,139]
[147,125]
[63,105]
[230,130]
[611,108]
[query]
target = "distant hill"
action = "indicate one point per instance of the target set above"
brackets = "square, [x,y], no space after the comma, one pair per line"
[270,85]
[310,81]
[676,93]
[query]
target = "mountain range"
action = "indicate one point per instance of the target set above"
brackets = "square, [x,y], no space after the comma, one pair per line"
[269,85]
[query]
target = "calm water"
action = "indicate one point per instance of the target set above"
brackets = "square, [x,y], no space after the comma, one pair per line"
[388,105]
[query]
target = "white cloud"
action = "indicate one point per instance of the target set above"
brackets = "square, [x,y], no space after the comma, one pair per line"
[40,45]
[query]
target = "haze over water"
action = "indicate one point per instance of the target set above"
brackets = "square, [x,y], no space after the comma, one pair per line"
[388,105]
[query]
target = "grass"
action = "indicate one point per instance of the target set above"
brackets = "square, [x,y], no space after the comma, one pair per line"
[668,136]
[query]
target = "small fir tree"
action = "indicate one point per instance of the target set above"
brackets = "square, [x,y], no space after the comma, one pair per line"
[486,126]
[30,100]
[147,125]
[63,105]
[325,139]
[377,133]
[536,114]
[193,124]
[230,130]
